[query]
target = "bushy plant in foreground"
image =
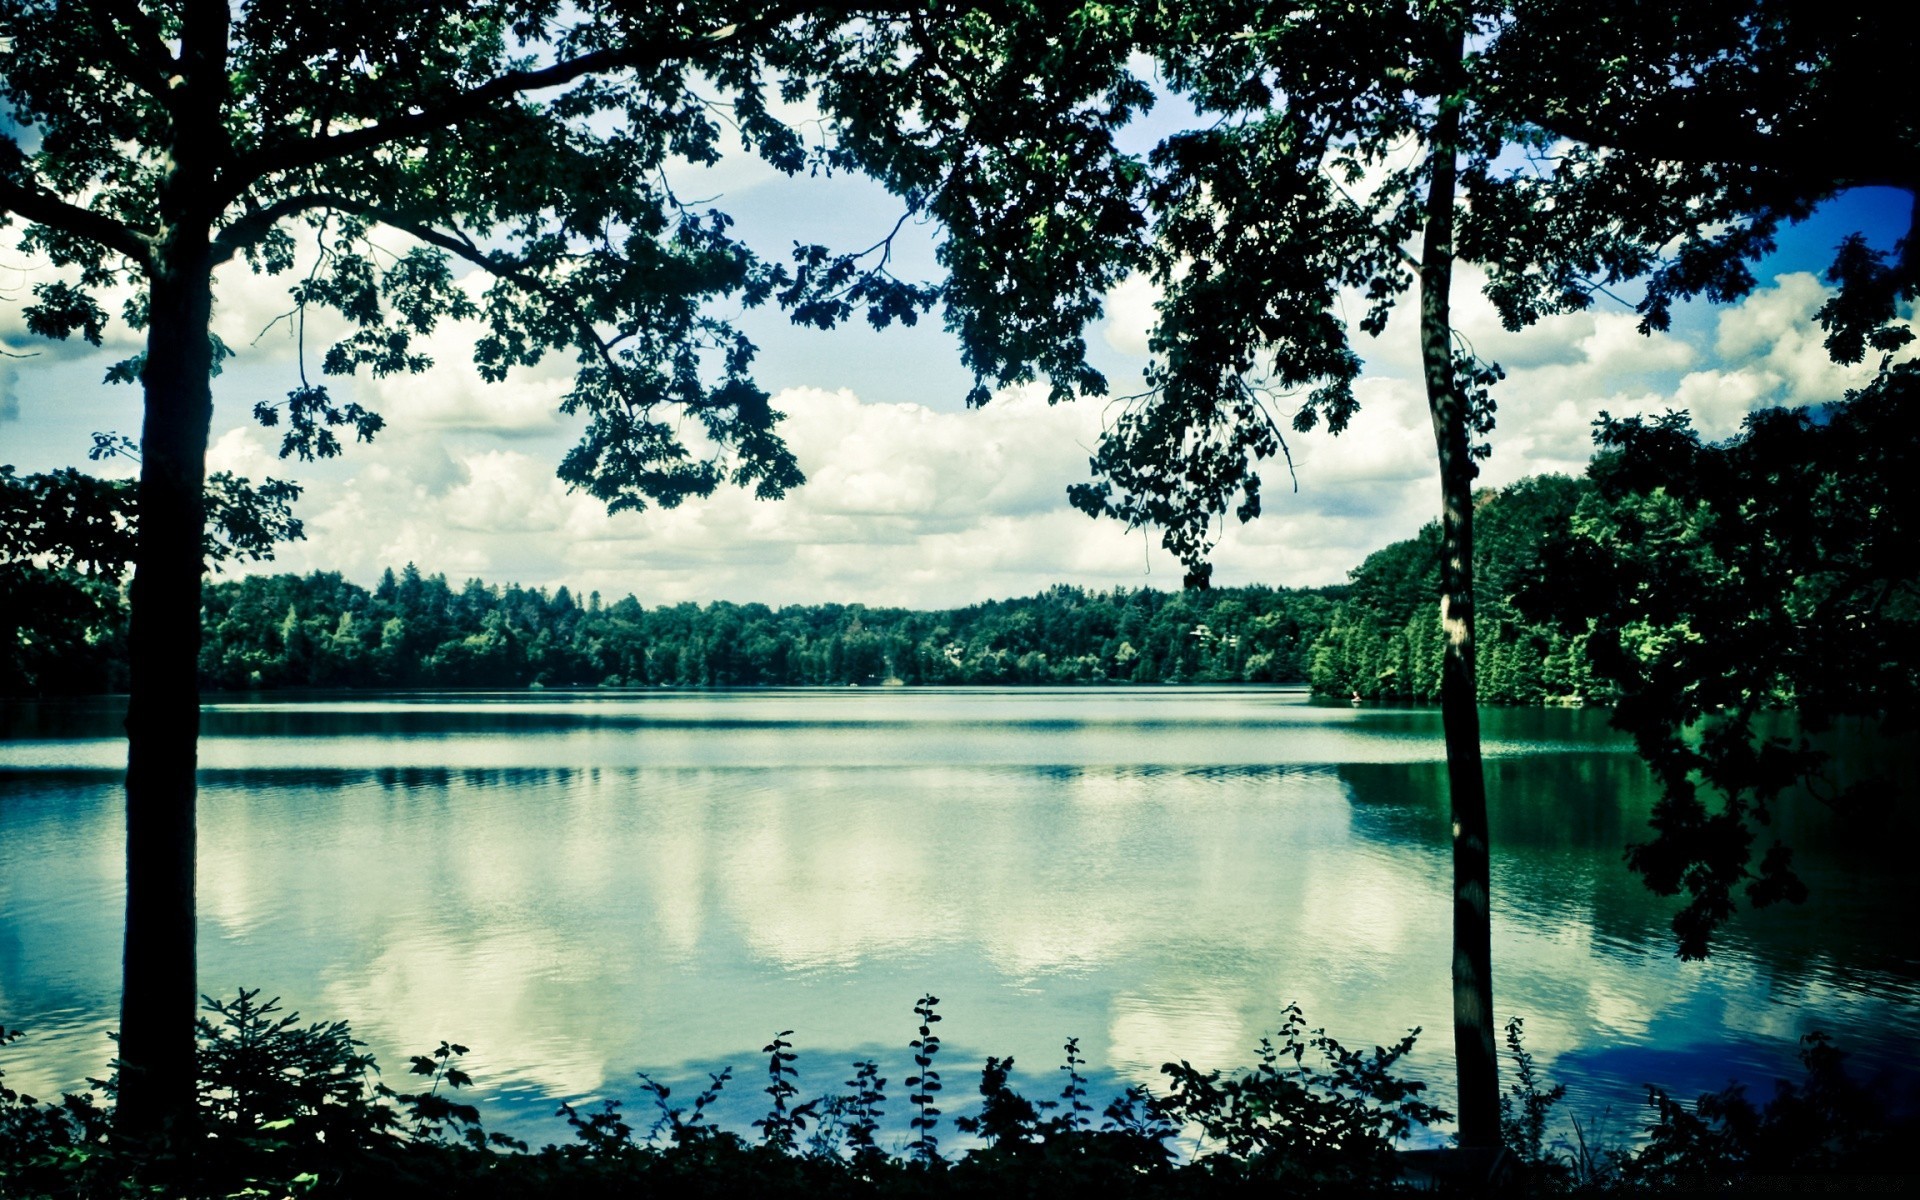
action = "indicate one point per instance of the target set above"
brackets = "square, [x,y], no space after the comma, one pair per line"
[1823,1125]
[292,1109]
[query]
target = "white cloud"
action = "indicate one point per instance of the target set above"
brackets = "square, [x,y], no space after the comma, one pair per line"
[906,504]
[1720,400]
[1130,315]
[1774,331]
[505,492]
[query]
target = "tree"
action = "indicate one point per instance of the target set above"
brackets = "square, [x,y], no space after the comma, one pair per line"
[1715,125]
[149,144]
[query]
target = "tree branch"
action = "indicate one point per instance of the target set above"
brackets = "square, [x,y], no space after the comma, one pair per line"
[461,106]
[28,200]
[1682,137]
[248,229]
[455,244]
[142,55]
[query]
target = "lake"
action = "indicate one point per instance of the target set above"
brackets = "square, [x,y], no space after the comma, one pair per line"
[583,886]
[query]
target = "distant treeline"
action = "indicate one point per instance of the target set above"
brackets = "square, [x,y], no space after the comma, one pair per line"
[1385,641]
[415,630]
[1378,637]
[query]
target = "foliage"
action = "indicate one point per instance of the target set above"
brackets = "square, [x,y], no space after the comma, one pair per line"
[292,1109]
[1718,584]
[785,1120]
[273,1079]
[1596,149]
[1527,1107]
[1827,1123]
[926,1084]
[415,630]
[1002,124]
[1377,636]
[1331,1128]
[1383,642]
[41,1144]
[421,122]
[66,541]
[283,1109]
[1702,131]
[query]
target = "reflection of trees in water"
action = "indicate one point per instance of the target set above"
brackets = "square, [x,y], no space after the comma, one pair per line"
[92,717]
[1561,824]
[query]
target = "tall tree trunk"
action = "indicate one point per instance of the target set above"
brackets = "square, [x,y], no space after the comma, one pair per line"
[159,997]
[1474,1050]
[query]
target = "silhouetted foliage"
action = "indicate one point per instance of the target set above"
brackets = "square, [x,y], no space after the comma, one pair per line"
[926,1084]
[1823,1125]
[67,540]
[1312,1127]
[286,1108]
[1527,1107]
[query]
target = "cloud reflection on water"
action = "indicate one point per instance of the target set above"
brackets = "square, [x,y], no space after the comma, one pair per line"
[668,899]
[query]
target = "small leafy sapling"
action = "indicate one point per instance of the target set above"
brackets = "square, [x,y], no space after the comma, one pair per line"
[925,1084]
[435,1118]
[1073,1097]
[682,1126]
[859,1111]
[1525,1108]
[784,1121]
[262,1072]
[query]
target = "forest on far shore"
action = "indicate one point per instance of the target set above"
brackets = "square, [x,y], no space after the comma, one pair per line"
[1377,636]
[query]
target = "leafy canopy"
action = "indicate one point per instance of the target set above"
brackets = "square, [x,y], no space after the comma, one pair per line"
[529,140]
[1605,151]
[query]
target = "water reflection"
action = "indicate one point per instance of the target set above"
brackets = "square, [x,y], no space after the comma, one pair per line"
[583,887]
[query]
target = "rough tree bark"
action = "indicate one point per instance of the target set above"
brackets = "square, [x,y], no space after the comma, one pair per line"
[1475,1055]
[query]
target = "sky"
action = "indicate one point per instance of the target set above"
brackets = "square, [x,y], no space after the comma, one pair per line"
[911,498]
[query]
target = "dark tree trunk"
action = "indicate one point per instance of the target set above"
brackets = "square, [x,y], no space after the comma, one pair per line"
[1475,1055]
[159,997]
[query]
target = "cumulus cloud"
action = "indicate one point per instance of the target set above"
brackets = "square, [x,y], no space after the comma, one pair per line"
[1130,315]
[911,505]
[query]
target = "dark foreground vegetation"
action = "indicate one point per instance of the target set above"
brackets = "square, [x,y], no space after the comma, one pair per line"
[287,1108]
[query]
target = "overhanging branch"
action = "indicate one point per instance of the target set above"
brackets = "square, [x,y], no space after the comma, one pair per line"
[464,105]
[42,207]
[256,224]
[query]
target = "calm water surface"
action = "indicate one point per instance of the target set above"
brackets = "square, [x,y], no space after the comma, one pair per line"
[581,887]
